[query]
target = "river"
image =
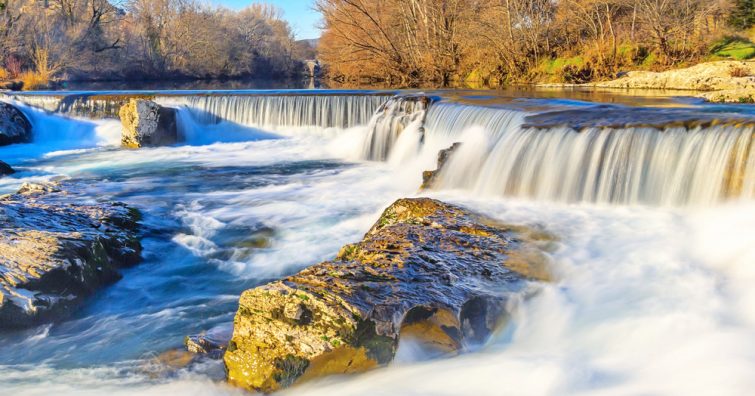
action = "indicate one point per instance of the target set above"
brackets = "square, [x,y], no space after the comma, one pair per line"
[653,266]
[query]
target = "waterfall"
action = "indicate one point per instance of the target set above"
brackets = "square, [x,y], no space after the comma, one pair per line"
[282,111]
[672,166]
[402,115]
[266,111]
[500,155]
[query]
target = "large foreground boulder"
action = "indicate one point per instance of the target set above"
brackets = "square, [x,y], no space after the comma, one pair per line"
[147,124]
[426,270]
[14,126]
[53,254]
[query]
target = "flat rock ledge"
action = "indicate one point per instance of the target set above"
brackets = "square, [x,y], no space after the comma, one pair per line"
[147,124]
[427,271]
[53,253]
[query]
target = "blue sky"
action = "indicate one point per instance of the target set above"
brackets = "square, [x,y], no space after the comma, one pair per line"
[299,14]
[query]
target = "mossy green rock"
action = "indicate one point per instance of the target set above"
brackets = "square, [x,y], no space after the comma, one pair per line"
[426,268]
[54,253]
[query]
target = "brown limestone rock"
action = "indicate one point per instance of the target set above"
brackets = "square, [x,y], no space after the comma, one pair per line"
[428,270]
[147,124]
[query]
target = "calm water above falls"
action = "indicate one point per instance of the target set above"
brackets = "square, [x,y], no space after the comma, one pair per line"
[654,265]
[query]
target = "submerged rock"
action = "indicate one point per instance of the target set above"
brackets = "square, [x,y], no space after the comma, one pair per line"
[5,169]
[211,343]
[14,126]
[53,253]
[429,178]
[427,270]
[145,123]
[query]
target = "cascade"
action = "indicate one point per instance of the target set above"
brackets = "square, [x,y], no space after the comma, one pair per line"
[669,166]
[401,114]
[500,155]
[280,111]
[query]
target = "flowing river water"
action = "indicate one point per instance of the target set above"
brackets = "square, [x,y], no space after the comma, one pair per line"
[653,268]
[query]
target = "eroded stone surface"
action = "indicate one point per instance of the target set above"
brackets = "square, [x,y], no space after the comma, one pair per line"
[427,269]
[14,126]
[54,253]
[145,124]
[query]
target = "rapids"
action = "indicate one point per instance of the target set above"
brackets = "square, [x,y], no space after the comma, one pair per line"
[653,265]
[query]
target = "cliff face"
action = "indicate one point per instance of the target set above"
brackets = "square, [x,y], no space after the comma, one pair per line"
[426,270]
[54,254]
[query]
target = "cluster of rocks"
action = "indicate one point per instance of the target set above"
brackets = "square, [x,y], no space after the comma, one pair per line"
[54,254]
[426,270]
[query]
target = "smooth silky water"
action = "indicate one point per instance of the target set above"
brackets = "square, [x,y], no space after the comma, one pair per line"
[653,266]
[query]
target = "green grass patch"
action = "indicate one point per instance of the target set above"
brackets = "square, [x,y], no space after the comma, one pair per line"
[554,66]
[733,48]
[650,60]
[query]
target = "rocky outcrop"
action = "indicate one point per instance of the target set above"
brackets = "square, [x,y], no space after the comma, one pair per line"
[426,270]
[5,169]
[14,126]
[53,254]
[735,80]
[145,124]
[430,178]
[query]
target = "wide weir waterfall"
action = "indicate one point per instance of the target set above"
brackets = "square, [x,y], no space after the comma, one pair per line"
[500,155]
[649,213]
[665,164]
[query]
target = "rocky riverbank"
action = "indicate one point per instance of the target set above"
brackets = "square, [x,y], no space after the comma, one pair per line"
[722,81]
[426,270]
[54,253]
